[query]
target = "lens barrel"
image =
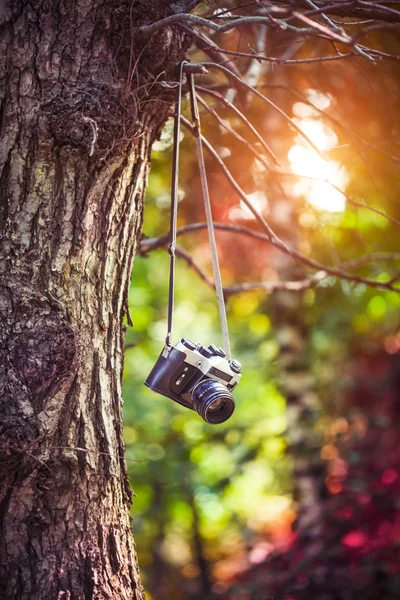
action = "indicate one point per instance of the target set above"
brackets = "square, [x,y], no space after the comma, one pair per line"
[213,402]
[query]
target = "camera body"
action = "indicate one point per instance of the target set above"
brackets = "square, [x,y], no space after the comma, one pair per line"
[196,377]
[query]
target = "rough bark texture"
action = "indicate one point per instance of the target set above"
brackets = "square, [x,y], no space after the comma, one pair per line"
[80,105]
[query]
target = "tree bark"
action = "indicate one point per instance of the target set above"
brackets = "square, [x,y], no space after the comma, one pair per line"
[80,105]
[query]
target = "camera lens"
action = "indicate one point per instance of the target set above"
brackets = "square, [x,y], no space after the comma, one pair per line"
[216,405]
[212,401]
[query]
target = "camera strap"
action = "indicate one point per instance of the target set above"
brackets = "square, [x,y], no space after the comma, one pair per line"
[207,206]
[174,204]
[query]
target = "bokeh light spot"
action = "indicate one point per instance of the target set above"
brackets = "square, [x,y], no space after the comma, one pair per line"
[376,308]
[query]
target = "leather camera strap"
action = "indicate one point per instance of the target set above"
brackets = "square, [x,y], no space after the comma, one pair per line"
[207,206]
[174,204]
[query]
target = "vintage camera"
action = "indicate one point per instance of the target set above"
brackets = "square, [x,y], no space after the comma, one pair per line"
[199,378]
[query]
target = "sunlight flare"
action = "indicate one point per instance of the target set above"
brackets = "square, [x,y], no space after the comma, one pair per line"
[321,182]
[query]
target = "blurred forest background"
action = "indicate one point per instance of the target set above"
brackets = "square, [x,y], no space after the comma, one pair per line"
[297,495]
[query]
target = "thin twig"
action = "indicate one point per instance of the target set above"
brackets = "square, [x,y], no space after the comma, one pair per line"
[336,28]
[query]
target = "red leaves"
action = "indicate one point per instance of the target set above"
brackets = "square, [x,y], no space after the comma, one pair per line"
[355,539]
[389,476]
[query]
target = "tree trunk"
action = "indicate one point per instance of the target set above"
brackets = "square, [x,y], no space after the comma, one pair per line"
[81,104]
[298,385]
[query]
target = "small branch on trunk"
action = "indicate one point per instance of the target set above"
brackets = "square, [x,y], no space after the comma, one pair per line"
[217,54]
[95,131]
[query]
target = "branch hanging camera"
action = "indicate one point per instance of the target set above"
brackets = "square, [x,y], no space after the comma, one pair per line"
[197,377]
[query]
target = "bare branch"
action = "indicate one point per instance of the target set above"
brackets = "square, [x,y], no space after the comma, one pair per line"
[329,33]
[195,20]
[315,10]
[308,17]
[279,17]
[313,27]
